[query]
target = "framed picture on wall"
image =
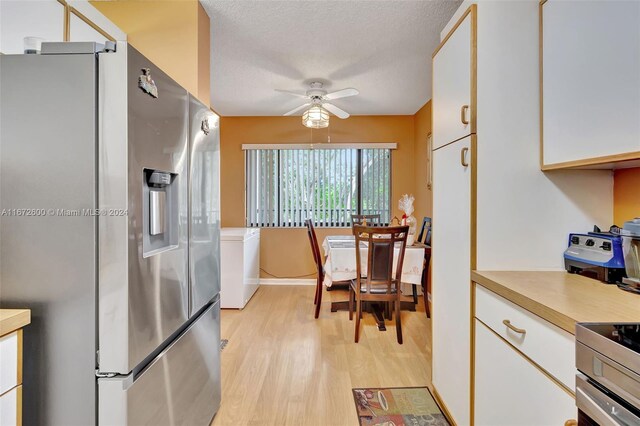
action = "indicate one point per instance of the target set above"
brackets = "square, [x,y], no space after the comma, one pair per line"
[429,165]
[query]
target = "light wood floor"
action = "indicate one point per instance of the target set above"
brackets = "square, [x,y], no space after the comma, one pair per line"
[283,367]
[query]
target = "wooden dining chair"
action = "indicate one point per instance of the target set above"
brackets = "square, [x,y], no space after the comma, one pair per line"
[425,229]
[358,219]
[426,284]
[317,259]
[425,232]
[380,284]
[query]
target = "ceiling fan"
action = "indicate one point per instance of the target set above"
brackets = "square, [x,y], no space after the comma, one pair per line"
[318,97]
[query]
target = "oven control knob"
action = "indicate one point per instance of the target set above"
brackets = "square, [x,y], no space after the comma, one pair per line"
[590,243]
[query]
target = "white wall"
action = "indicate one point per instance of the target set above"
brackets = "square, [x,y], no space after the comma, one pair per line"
[524,215]
[38,18]
[45,19]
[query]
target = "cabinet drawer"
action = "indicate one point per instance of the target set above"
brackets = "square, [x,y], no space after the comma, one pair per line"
[9,361]
[510,391]
[550,347]
[10,410]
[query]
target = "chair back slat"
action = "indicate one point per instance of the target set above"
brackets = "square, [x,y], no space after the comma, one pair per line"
[425,228]
[358,219]
[381,253]
[381,243]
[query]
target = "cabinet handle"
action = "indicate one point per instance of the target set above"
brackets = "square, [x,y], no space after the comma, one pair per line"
[429,161]
[513,328]
[571,422]
[463,114]
[463,155]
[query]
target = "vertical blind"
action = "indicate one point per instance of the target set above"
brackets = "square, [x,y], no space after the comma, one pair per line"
[284,187]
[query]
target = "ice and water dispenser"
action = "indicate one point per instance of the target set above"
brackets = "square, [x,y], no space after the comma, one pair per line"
[160,211]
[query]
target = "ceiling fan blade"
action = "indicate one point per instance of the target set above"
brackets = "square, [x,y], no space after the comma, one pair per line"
[341,94]
[288,92]
[301,107]
[340,113]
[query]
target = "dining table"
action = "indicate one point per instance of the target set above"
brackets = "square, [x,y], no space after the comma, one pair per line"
[340,266]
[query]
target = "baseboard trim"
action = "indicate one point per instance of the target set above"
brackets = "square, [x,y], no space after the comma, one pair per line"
[443,406]
[287,281]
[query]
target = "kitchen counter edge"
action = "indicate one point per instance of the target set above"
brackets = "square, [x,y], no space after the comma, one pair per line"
[561,298]
[13,319]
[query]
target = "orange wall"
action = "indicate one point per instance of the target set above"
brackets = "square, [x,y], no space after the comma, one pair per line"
[422,126]
[173,34]
[285,252]
[626,195]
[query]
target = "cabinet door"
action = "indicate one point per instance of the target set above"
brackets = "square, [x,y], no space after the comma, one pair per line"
[511,391]
[451,289]
[10,407]
[591,81]
[452,86]
[37,18]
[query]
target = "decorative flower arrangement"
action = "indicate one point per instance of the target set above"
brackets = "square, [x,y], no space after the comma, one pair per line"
[406,205]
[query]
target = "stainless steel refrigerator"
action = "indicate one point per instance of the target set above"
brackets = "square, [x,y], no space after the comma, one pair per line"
[109,233]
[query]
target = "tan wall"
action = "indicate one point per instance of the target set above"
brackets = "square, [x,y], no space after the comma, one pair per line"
[422,124]
[173,34]
[626,195]
[285,252]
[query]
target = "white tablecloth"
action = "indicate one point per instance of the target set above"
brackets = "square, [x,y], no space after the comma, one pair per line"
[340,264]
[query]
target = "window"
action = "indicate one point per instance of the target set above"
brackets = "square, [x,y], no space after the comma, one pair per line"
[287,186]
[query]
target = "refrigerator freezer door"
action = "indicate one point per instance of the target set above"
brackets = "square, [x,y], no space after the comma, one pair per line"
[143,285]
[181,386]
[204,224]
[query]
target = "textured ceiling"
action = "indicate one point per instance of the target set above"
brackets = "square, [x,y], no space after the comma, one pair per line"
[382,48]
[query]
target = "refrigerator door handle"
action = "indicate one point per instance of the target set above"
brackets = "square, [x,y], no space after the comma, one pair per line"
[102,375]
[181,382]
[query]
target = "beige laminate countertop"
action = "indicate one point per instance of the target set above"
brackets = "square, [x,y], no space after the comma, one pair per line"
[13,319]
[562,298]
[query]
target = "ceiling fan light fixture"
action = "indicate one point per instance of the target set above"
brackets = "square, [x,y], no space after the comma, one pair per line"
[316,117]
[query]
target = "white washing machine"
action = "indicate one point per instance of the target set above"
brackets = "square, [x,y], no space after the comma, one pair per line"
[240,266]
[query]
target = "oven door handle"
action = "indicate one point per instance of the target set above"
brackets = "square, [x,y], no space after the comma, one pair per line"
[597,405]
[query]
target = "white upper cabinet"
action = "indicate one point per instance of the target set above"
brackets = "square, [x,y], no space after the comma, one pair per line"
[36,18]
[590,82]
[452,64]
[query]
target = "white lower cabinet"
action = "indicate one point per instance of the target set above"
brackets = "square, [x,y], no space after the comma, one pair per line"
[451,292]
[542,342]
[9,361]
[11,379]
[9,407]
[510,390]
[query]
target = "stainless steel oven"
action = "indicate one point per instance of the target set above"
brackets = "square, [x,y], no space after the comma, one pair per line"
[608,379]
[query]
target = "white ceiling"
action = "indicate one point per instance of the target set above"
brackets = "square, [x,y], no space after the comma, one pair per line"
[382,48]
